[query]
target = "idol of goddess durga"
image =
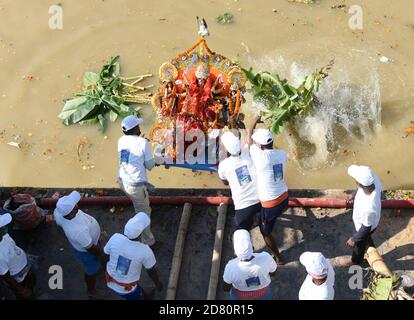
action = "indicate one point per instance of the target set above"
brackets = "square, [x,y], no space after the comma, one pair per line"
[200,101]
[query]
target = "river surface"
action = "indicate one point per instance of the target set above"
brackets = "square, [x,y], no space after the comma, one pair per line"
[365,104]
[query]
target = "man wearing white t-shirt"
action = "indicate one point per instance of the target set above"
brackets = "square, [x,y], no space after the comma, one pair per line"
[238,172]
[320,280]
[270,165]
[15,268]
[127,256]
[247,276]
[135,159]
[366,212]
[83,233]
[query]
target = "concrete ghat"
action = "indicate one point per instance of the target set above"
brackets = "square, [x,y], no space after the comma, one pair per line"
[297,230]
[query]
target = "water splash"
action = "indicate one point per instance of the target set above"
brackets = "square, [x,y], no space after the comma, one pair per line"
[349,110]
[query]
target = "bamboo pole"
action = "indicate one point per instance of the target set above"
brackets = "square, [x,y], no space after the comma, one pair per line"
[178,252]
[218,246]
[142,76]
[136,81]
[377,264]
[133,87]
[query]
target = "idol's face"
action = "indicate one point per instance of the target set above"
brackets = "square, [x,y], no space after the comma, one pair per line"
[201,82]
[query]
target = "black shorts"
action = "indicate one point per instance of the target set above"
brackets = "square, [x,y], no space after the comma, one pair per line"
[358,252]
[244,218]
[268,217]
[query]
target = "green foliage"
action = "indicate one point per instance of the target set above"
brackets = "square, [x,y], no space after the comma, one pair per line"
[280,102]
[103,94]
[225,18]
[381,287]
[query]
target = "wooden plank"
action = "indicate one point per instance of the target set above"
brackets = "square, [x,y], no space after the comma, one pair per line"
[218,246]
[178,252]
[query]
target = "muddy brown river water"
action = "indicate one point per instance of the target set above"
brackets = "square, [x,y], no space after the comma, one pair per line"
[366,103]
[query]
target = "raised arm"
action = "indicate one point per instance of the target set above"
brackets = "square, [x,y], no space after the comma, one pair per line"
[149,162]
[256,121]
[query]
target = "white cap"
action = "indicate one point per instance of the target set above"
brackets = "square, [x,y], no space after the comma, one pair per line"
[65,205]
[262,136]
[315,264]
[5,219]
[231,143]
[136,225]
[131,122]
[242,244]
[362,174]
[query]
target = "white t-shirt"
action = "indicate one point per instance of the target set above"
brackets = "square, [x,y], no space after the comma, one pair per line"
[250,275]
[133,152]
[126,259]
[270,169]
[241,175]
[12,259]
[367,208]
[325,291]
[82,231]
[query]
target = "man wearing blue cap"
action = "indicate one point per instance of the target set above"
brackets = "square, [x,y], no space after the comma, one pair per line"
[135,159]
[15,268]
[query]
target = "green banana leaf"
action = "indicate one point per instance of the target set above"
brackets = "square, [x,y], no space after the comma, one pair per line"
[70,106]
[279,101]
[111,70]
[101,95]
[90,79]
[113,116]
[85,111]
[380,287]
[103,122]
